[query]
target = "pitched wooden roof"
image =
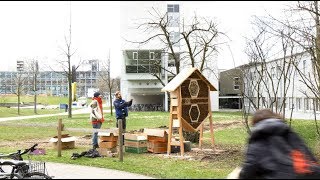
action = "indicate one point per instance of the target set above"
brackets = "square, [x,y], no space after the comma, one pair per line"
[182,76]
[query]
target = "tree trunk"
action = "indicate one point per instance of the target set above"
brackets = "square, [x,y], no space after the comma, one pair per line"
[35,93]
[18,100]
[70,97]
[110,99]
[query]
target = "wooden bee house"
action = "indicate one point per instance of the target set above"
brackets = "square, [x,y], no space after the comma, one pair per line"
[190,105]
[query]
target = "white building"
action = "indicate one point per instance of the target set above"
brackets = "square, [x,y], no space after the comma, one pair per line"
[141,86]
[278,89]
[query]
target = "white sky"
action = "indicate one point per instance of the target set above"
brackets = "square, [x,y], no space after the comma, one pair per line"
[36,29]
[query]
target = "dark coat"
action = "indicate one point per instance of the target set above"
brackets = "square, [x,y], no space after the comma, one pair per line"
[269,146]
[121,108]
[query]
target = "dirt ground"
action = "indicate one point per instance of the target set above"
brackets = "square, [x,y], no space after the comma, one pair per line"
[206,153]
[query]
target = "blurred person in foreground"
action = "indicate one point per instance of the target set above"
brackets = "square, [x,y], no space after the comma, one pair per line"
[275,151]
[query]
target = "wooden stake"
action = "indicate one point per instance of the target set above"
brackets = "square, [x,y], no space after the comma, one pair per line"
[201,136]
[179,109]
[120,140]
[59,137]
[210,122]
[170,132]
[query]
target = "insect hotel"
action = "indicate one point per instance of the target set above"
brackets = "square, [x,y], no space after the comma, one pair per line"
[190,106]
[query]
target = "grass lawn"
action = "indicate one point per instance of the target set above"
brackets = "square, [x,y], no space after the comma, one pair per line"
[48,100]
[11,112]
[232,138]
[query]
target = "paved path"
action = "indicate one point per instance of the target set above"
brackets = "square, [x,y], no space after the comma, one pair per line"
[70,171]
[75,111]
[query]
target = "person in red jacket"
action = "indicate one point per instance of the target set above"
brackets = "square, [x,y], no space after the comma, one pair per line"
[96,117]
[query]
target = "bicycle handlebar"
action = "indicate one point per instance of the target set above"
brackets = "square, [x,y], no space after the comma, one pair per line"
[18,155]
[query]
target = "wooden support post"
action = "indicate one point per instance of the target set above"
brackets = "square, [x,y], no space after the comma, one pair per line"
[120,140]
[181,139]
[59,143]
[201,136]
[179,109]
[170,132]
[211,132]
[210,123]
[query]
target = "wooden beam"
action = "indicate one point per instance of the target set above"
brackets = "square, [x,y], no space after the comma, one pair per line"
[181,139]
[59,144]
[120,140]
[210,123]
[201,136]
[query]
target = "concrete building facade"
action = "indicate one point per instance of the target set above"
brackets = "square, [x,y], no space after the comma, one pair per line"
[289,92]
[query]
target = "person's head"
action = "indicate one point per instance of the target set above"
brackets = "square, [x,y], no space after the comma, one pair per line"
[262,114]
[97,94]
[118,95]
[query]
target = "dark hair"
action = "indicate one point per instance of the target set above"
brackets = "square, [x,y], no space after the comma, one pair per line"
[96,94]
[118,92]
[262,114]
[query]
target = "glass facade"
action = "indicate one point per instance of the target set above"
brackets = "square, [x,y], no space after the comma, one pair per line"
[49,82]
[142,61]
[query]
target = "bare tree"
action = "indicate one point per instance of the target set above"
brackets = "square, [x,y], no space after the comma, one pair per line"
[198,41]
[302,19]
[20,79]
[33,68]
[106,81]
[266,82]
[68,67]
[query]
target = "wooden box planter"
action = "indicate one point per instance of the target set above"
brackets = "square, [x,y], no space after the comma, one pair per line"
[133,143]
[158,139]
[157,147]
[107,144]
[109,138]
[137,150]
[67,142]
[107,151]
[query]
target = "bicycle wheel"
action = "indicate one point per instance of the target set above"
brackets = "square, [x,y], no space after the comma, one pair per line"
[16,176]
[8,176]
[36,175]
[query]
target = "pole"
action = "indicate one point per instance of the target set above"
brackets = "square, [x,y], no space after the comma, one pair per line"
[59,137]
[120,140]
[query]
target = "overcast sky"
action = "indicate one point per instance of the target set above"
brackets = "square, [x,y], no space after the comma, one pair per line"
[36,29]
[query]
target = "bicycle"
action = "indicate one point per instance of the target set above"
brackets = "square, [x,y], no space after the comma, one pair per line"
[21,169]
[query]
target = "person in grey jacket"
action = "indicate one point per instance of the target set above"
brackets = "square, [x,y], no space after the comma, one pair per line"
[275,151]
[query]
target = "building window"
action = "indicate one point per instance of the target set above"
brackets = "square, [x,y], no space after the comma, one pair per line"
[306,104]
[279,71]
[304,66]
[298,103]
[173,7]
[279,102]
[291,104]
[135,55]
[317,104]
[236,85]
[151,55]
[273,74]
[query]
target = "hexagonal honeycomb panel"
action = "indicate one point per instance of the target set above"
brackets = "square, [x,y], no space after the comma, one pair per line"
[194,88]
[194,113]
